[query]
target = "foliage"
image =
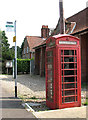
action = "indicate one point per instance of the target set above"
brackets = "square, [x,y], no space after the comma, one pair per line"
[23,65]
[4,48]
[12,52]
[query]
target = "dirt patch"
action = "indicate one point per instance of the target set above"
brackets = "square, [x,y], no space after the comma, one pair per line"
[37,105]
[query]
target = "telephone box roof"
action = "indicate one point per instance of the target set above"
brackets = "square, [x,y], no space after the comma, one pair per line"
[64,35]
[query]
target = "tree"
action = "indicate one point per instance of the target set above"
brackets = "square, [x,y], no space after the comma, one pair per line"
[12,52]
[4,48]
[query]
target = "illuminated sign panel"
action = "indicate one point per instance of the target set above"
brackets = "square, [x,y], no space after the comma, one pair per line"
[68,42]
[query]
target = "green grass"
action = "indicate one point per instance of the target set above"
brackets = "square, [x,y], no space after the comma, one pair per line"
[33,97]
[86,102]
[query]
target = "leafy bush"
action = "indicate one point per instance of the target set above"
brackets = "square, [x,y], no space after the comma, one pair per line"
[23,65]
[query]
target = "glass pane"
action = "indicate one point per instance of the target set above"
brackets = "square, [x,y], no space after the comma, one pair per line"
[50,79]
[70,99]
[68,86]
[76,92]
[49,60]
[62,79]
[69,79]
[62,93]
[49,73]
[61,52]
[69,66]
[62,100]
[70,72]
[62,86]
[69,59]
[61,59]
[49,66]
[50,53]
[62,72]
[50,86]
[69,92]
[68,52]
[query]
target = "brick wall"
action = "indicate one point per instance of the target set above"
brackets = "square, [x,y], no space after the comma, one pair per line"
[87,54]
[42,61]
[84,54]
[37,61]
[27,54]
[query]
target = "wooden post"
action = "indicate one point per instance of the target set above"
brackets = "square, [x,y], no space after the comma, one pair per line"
[62,22]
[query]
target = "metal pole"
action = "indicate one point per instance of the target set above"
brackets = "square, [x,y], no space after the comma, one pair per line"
[30,67]
[15,74]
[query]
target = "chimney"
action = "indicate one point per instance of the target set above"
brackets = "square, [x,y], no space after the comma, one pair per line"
[62,21]
[44,31]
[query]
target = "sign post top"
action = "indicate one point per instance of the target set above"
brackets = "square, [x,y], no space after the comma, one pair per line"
[9,26]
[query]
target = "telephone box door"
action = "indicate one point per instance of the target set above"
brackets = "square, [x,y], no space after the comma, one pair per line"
[69,68]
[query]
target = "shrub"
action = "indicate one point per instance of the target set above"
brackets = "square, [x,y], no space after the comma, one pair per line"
[23,65]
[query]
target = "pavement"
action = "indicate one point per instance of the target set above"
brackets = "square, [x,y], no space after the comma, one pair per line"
[75,112]
[12,107]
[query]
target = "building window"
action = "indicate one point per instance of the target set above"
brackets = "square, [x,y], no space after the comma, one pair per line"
[24,50]
[27,49]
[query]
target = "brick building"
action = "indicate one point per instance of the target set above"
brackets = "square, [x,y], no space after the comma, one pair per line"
[30,42]
[40,52]
[76,25]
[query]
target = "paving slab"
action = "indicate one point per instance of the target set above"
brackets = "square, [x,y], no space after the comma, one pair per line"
[12,108]
[75,112]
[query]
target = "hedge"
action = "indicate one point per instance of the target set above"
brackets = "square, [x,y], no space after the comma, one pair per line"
[23,65]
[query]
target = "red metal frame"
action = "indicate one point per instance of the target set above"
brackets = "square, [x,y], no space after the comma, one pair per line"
[65,93]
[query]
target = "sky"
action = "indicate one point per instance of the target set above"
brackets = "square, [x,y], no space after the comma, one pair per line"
[30,15]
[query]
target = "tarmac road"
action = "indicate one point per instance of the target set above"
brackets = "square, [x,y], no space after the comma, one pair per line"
[12,108]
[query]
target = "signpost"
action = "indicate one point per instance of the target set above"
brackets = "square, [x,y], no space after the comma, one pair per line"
[11,27]
[15,68]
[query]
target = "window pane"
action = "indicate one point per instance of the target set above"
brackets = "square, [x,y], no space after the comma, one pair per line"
[68,86]
[49,60]
[49,66]
[69,66]
[50,53]
[68,52]
[69,79]
[69,59]
[69,72]
[70,99]
[69,92]
[61,52]
[49,72]
[61,59]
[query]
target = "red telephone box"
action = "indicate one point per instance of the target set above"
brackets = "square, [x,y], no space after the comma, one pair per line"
[63,72]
